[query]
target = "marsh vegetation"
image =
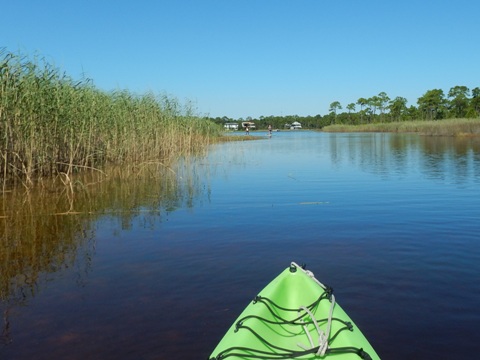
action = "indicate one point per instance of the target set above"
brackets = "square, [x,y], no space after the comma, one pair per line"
[448,127]
[53,125]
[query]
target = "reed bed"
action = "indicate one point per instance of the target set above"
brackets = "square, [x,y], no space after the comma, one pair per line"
[51,124]
[449,127]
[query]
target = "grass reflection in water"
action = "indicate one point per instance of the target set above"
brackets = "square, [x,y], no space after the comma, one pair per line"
[51,227]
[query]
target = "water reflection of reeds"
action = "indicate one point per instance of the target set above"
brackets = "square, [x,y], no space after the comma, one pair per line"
[52,227]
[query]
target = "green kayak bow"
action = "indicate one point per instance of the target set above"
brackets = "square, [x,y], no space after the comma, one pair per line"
[294,317]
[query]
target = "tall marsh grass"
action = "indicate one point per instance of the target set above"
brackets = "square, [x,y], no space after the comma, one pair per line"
[449,127]
[51,124]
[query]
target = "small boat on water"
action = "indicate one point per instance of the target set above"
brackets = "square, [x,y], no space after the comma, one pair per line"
[294,317]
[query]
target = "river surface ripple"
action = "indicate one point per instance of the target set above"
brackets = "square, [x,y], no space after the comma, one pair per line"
[390,221]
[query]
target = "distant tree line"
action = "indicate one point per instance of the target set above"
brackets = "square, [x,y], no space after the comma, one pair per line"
[277,122]
[459,102]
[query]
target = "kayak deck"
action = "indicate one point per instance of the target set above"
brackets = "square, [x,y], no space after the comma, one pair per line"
[294,317]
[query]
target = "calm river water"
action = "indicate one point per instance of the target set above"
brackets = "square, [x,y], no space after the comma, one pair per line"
[149,268]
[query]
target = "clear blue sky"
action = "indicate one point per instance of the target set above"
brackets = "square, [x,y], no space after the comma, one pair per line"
[241,58]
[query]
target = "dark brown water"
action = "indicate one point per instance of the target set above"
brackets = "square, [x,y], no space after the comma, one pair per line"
[157,264]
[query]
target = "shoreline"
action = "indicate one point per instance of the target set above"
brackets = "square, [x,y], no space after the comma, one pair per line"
[448,127]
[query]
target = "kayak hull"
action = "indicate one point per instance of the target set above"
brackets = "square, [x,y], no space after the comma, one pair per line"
[294,317]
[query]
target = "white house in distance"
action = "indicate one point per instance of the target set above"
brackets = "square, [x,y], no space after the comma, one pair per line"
[231,126]
[293,126]
[249,124]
